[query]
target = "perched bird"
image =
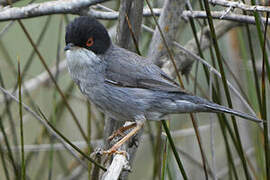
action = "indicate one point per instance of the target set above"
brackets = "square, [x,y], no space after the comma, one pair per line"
[124,85]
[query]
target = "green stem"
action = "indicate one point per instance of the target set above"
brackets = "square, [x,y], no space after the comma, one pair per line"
[21,122]
[179,163]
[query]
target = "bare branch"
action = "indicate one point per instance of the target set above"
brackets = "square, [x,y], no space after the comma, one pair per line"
[220,16]
[112,15]
[46,8]
[240,5]
[133,11]
[118,164]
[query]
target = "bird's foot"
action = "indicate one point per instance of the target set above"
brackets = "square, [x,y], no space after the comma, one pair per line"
[111,151]
[114,151]
[120,131]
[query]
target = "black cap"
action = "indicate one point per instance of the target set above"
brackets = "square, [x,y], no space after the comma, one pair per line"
[87,32]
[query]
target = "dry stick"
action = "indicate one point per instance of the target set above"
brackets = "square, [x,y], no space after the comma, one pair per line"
[46,8]
[219,15]
[182,85]
[240,5]
[132,35]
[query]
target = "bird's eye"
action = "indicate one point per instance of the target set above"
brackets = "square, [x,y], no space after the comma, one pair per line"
[89,42]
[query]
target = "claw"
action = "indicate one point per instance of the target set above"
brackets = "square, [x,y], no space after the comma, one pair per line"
[120,131]
[114,151]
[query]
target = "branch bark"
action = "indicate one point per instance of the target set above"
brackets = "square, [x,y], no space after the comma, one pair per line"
[46,8]
[133,10]
[118,164]
[222,15]
[168,21]
[240,5]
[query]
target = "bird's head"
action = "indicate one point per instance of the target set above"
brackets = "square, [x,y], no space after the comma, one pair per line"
[86,32]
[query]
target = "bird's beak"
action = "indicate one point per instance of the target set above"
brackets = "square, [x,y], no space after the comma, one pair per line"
[68,46]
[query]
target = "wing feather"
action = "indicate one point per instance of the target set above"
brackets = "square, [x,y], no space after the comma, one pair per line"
[127,71]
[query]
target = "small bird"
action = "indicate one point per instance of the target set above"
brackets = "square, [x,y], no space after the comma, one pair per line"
[124,85]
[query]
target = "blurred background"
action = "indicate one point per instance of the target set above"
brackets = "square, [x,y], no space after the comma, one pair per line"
[233,149]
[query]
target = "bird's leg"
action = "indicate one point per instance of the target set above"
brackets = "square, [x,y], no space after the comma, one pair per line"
[115,147]
[121,131]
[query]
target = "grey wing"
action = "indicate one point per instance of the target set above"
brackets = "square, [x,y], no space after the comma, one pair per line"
[135,74]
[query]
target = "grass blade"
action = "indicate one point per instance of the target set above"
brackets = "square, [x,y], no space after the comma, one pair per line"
[21,122]
[179,163]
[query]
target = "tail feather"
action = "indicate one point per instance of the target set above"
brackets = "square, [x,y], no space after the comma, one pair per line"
[204,105]
[218,108]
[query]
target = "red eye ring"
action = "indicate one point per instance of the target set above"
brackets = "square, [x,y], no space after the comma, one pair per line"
[89,42]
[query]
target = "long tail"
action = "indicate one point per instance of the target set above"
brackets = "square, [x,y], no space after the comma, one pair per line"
[203,105]
[218,108]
